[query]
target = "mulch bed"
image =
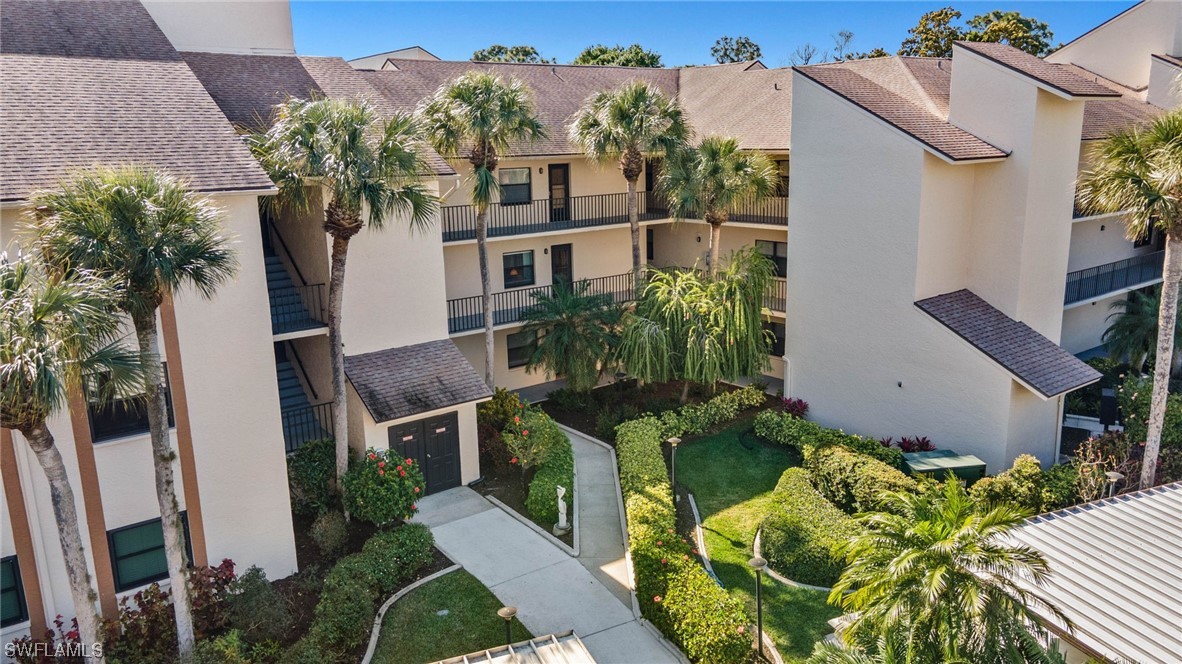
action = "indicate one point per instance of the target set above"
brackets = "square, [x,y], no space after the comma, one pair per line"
[507,486]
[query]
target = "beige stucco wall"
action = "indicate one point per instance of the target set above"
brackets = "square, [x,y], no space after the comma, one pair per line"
[226,26]
[586,178]
[678,243]
[1120,49]
[1084,325]
[1165,84]
[1096,241]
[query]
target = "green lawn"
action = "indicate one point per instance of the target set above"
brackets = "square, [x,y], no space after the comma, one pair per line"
[414,632]
[732,486]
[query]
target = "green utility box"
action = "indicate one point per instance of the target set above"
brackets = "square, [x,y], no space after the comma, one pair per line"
[937,463]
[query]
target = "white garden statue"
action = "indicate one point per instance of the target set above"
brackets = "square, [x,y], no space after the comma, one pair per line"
[562,527]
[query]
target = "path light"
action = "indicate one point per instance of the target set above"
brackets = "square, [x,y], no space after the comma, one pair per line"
[1114,478]
[507,613]
[673,443]
[758,564]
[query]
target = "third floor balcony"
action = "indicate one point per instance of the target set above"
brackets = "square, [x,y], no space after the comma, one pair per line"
[1101,281]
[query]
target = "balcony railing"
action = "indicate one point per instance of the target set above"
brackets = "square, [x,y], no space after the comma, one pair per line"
[305,424]
[297,308]
[545,215]
[466,313]
[776,298]
[1113,277]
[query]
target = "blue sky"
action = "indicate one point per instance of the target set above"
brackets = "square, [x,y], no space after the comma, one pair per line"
[682,32]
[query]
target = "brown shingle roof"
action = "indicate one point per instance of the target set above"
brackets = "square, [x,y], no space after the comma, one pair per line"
[1171,59]
[1050,74]
[247,87]
[1104,116]
[400,382]
[744,100]
[1030,357]
[86,83]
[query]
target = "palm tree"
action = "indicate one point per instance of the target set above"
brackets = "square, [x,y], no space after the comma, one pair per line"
[479,116]
[577,332]
[936,572]
[627,124]
[57,331]
[1132,335]
[712,180]
[145,231]
[1139,172]
[370,169]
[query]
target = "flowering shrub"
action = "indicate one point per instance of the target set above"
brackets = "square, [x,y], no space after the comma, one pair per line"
[795,407]
[492,416]
[382,487]
[530,436]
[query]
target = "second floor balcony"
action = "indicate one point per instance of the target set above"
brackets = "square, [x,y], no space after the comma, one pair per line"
[1102,280]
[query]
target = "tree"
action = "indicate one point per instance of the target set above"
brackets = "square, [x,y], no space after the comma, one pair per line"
[499,53]
[577,333]
[932,37]
[1136,171]
[700,327]
[1132,335]
[936,572]
[57,332]
[737,49]
[1021,32]
[876,52]
[146,231]
[803,55]
[841,44]
[627,124]
[479,116]
[714,179]
[620,56]
[369,168]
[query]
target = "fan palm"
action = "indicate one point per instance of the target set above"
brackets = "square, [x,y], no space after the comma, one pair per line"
[478,116]
[1139,172]
[1132,334]
[713,179]
[627,124]
[55,331]
[370,169]
[146,232]
[937,572]
[577,332]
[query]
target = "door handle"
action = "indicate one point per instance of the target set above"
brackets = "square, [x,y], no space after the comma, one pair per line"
[428,456]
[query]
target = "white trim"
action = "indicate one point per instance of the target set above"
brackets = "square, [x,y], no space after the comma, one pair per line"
[300,334]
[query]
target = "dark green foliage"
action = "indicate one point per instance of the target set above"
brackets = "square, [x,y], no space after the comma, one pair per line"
[557,470]
[853,481]
[499,53]
[801,535]
[784,429]
[254,609]
[936,31]
[577,331]
[309,473]
[620,56]
[1134,396]
[735,49]
[693,419]
[498,411]
[330,533]
[1020,486]
[611,417]
[1086,400]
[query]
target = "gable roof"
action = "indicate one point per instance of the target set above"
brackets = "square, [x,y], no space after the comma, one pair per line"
[744,100]
[247,87]
[1055,76]
[1034,360]
[400,382]
[84,83]
[1104,116]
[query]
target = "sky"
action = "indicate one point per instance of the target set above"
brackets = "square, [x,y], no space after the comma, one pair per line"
[682,32]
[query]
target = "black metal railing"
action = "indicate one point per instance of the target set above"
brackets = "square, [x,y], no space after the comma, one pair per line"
[771,210]
[776,298]
[466,313]
[1112,277]
[297,308]
[305,424]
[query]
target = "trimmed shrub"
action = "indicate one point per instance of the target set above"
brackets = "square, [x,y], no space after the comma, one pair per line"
[330,533]
[558,470]
[394,555]
[1059,487]
[693,419]
[851,480]
[784,429]
[310,471]
[382,486]
[674,592]
[801,535]
[1021,486]
[531,436]
[254,609]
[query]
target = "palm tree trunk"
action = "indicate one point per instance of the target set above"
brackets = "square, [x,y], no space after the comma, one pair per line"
[162,458]
[715,240]
[685,385]
[485,294]
[340,402]
[1166,320]
[66,514]
[634,223]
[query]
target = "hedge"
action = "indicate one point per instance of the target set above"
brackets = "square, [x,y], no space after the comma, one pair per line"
[851,480]
[674,591]
[783,429]
[800,536]
[693,419]
[558,469]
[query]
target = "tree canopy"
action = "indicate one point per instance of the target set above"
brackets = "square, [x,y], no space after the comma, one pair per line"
[621,56]
[501,53]
[937,30]
[735,49]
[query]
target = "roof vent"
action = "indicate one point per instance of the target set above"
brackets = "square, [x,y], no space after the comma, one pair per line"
[777,86]
[940,65]
[554,70]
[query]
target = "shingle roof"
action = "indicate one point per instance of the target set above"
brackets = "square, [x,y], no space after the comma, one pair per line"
[1104,116]
[1033,359]
[762,119]
[85,83]
[247,87]
[909,106]
[1050,74]
[1116,572]
[1172,59]
[400,382]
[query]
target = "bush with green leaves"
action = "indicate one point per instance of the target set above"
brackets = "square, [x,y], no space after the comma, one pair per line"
[310,472]
[674,591]
[1060,487]
[254,609]
[693,419]
[1026,485]
[491,418]
[1134,397]
[558,470]
[531,436]
[381,487]
[330,533]
[782,428]
[801,535]
[853,481]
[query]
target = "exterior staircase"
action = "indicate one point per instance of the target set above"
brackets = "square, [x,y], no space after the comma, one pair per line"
[288,311]
[302,420]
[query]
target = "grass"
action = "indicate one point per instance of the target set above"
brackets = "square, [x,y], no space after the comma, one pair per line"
[732,486]
[414,631]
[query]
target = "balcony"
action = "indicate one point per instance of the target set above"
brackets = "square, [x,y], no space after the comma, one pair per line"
[1097,282]
[547,215]
[776,298]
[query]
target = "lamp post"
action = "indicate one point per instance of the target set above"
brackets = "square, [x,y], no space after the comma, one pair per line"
[507,613]
[673,443]
[758,564]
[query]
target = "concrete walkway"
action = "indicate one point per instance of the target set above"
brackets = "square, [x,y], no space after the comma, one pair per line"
[601,537]
[552,591]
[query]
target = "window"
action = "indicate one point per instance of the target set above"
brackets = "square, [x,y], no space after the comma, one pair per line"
[515,186]
[777,252]
[648,243]
[521,347]
[782,186]
[122,416]
[137,553]
[777,330]
[12,594]
[519,268]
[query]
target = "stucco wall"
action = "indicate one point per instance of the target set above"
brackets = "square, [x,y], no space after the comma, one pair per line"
[1099,241]
[677,243]
[1083,326]
[226,26]
[1112,51]
[377,435]
[586,178]
[1165,84]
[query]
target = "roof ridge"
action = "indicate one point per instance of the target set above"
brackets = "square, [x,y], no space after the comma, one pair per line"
[928,102]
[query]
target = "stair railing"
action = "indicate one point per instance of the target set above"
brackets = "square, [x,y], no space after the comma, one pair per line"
[291,352]
[287,252]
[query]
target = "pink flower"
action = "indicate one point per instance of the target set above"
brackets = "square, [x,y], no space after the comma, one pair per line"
[516,420]
[416,489]
[664,561]
[372,456]
[742,628]
[414,507]
[381,464]
[513,460]
[660,543]
[381,472]
[398,468]
[525,432]
[656,598]
[409,461]
[402,473]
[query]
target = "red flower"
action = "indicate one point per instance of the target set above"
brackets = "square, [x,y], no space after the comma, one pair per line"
[664,561]
[381,472]
[381,464]
[525,432]
[402,473]
[372,456]
[398,468]
[409,461]
[516,420]
[416,489]
[513,460]
[414,507]
[656,598]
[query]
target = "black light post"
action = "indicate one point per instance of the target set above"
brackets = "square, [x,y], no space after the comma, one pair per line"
[758,564]
[673,443]
[507,612]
